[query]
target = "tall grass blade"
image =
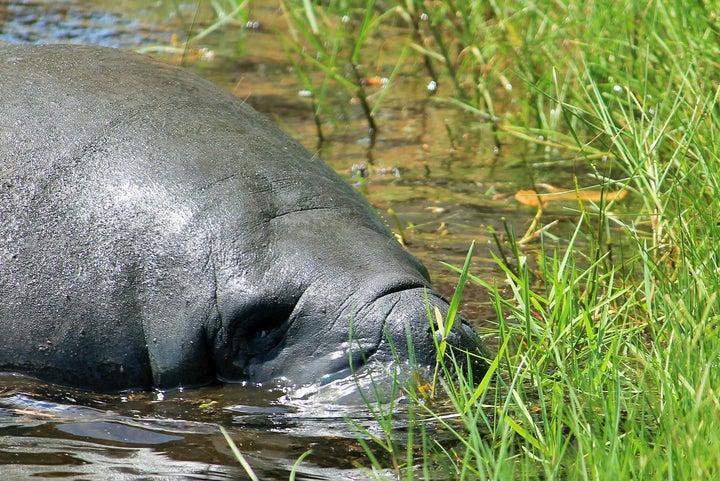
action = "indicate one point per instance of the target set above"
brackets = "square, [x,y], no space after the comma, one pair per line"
[297,464]
[310,15]
[238,455]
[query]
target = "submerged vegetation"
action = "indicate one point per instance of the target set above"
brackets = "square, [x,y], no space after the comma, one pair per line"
[607,347]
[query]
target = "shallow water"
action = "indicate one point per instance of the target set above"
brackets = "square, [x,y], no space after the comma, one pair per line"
[50,432]
[445,194]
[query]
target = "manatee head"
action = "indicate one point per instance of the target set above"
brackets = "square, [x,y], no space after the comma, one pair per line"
[324,317]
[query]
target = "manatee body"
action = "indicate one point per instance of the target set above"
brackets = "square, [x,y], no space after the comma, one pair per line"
[157,232]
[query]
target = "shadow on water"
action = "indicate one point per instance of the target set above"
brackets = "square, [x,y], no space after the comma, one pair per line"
[445,193]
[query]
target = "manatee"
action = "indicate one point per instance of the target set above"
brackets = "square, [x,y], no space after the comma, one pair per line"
[156,232]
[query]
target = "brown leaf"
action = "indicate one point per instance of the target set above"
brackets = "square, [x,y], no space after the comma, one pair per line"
[528,197]
[532,198]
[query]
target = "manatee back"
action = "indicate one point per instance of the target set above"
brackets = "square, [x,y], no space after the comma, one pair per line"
[125,186]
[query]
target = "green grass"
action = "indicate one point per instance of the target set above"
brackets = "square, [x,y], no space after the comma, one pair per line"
[607,365]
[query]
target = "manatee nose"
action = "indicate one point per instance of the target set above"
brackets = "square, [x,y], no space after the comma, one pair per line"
[468,348]
[411,319]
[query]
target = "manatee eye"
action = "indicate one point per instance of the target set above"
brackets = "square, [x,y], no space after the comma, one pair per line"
[256,333]
[265,328]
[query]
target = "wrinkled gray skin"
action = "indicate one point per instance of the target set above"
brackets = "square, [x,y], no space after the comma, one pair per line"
[157,232]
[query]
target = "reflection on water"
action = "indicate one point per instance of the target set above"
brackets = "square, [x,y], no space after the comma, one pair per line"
[53,21]
[41,438]
[54,432]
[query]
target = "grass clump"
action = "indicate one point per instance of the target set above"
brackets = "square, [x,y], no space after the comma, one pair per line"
[607,351]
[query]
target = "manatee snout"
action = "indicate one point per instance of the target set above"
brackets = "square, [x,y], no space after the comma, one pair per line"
[405,354]
[412,330]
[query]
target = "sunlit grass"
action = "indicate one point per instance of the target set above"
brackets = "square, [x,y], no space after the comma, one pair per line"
[607,358]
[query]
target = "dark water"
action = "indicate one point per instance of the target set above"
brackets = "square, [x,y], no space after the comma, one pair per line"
[446,193]
[50,432]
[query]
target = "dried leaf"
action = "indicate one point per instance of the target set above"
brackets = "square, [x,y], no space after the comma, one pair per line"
[529,197]
[555,194]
